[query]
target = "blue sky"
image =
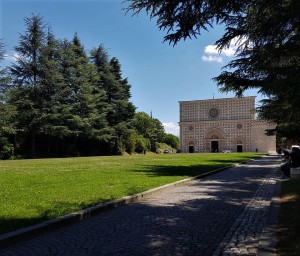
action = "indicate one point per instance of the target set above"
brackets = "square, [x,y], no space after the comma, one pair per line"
[160,74]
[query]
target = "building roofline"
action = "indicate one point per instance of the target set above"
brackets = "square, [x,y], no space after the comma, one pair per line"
[217,99]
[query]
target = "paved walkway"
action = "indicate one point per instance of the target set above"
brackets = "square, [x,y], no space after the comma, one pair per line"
[223,214]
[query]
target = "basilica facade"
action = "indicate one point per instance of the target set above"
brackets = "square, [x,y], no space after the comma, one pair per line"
[218,125]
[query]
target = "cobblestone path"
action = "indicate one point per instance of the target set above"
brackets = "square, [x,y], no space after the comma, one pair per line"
[223,214]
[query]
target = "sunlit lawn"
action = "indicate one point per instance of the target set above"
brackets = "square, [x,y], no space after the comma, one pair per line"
[41,189]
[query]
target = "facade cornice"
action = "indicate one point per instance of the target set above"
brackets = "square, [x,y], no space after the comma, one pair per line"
[217,100]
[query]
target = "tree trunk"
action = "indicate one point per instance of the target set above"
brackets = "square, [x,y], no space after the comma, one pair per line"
[33,144]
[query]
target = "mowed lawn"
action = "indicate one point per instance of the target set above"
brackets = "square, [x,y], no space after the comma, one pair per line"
[36,190]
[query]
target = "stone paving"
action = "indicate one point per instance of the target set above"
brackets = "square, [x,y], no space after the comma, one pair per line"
[222,214]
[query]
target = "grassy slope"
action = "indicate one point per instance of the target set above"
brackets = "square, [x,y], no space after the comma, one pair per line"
[41,189]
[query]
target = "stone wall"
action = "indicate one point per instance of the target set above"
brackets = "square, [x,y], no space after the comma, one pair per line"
[260,140]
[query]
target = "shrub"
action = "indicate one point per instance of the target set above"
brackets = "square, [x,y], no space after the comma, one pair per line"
[142,144]
[6,151]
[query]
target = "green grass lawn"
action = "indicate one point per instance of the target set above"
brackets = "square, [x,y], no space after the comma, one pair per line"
[289,218]
[36,190]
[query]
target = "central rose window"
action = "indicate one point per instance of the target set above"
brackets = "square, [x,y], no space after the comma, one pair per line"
[213,112]
[239,126]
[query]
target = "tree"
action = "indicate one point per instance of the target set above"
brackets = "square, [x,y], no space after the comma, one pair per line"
[82,104]
[4,79]
[120,110]
[171,140]
[186,19]
[26,78]
[55,92]
[7,129]
[100,58]
[52,82]
[270,63]
[157,133]
[7,112]
[267,32]
[150,128]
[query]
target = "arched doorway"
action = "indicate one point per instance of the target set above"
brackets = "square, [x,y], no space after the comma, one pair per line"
[214,144]
[191,147]
[239,146]
[214,140]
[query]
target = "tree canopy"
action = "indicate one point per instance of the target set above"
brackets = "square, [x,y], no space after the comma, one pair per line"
[58,99]
[268,54]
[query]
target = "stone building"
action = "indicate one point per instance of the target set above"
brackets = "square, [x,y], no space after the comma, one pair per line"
[223,124]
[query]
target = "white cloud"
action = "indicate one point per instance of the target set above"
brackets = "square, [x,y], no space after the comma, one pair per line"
[213,55]
[211,58]
[172,128]
[211,49]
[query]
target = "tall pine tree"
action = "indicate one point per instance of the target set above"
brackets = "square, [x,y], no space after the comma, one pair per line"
[7,129]
[26,78]
[120,110]
[84,117]
[52,84]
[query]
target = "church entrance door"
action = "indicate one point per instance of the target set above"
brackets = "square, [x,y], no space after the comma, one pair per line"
[191,149]
[214,146]
[239,148]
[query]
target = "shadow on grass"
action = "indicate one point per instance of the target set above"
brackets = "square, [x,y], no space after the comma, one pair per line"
[194,170]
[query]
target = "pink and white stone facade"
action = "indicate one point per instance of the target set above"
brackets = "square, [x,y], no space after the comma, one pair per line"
[223,124]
